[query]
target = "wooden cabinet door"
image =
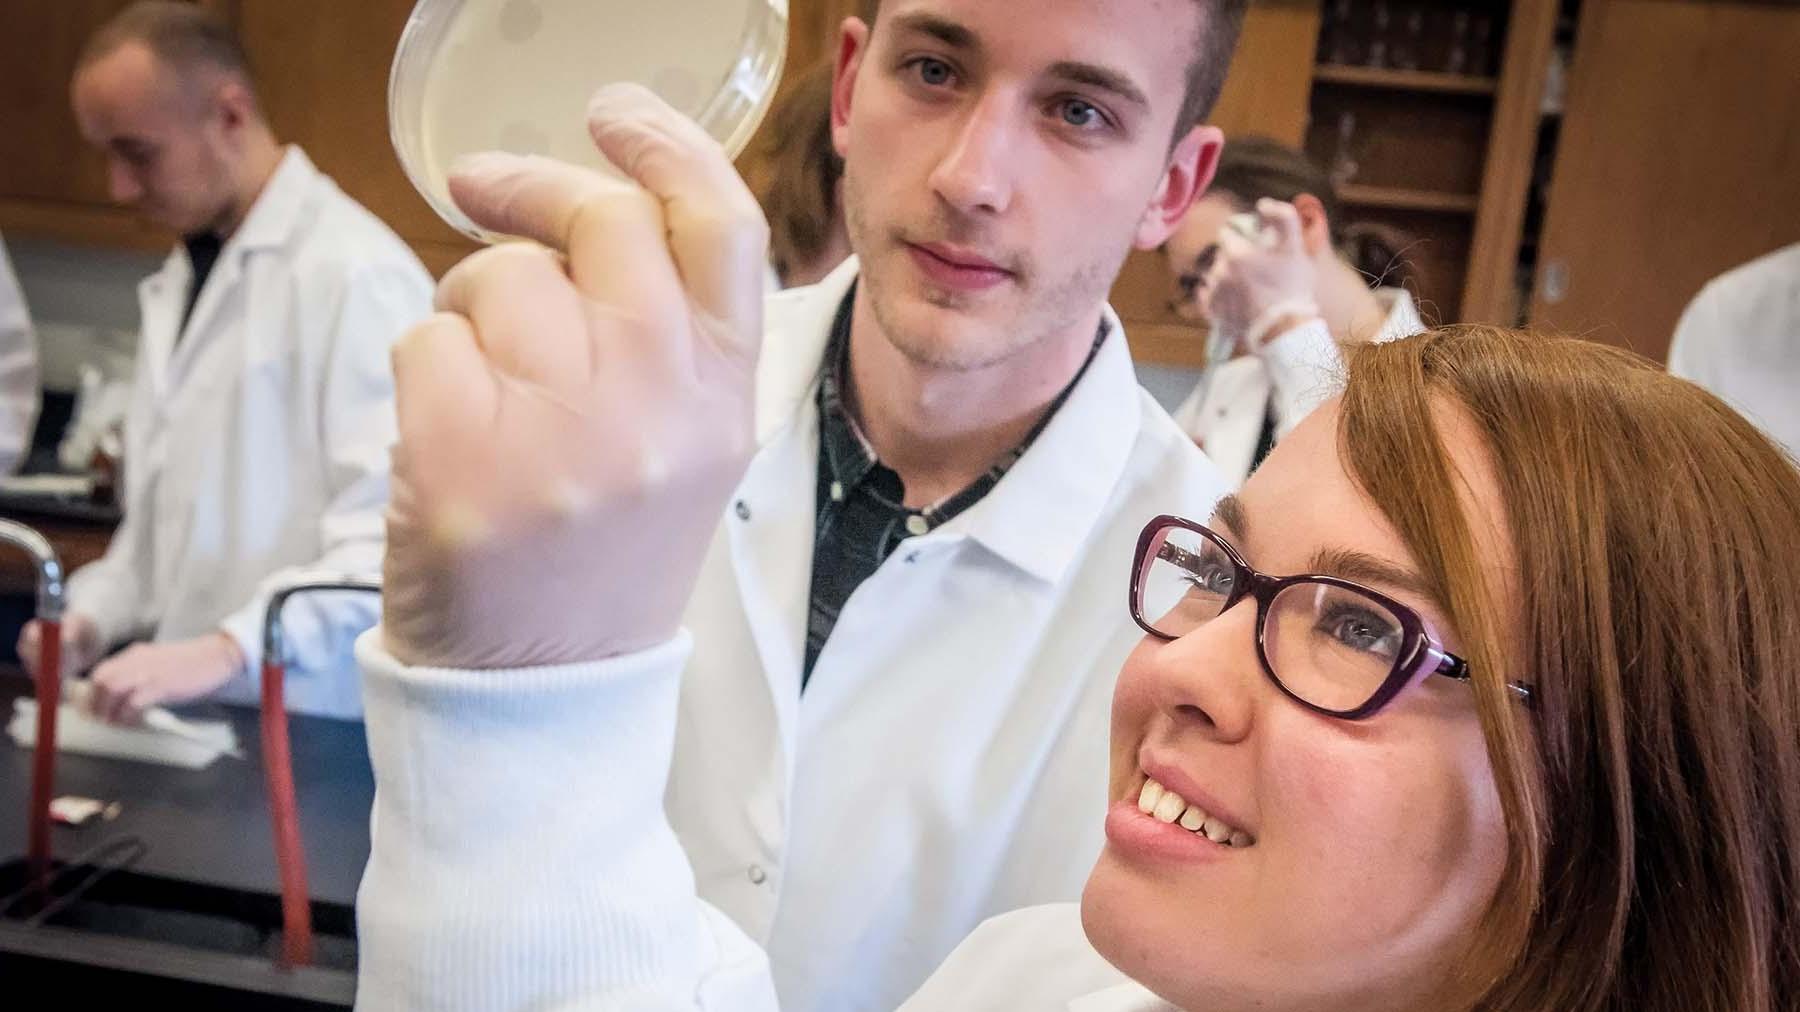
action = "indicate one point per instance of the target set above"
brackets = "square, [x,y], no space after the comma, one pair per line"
[1678,161]
[49,179]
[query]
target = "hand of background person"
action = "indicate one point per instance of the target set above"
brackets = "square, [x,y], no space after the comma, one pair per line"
[81,645]
[1261,285]
[143,675]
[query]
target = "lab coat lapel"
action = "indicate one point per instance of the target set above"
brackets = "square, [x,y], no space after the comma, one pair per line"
[771,519]
[200,332]
[278,213]
[160,298]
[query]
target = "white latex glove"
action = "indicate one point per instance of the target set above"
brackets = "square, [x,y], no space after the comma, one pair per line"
[81,645]
[573,419]
[1261,287]
[154,674]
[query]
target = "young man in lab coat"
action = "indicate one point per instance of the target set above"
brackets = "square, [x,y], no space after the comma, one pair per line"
[908,623]
[258,435]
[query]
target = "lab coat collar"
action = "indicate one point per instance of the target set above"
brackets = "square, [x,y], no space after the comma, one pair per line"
[1042,512]
[280,209]
[798,328]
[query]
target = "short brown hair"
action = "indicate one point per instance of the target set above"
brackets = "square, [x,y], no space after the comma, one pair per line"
[183,36]
[1652,791]
[1216,38]
[798,170]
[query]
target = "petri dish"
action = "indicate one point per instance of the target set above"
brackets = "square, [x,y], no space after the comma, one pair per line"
[516,75]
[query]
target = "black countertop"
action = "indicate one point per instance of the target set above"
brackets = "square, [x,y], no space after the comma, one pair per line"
[211,826]
[208,851]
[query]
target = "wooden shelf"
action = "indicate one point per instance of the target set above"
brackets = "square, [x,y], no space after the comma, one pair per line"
[1405,80]
[1396,199]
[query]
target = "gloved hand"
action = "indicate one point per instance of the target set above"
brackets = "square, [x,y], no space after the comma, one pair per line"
[153,674]
[1262,286]
[574,417]
[81,645]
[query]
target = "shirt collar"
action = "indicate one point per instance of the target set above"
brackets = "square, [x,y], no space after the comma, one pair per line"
[847,451]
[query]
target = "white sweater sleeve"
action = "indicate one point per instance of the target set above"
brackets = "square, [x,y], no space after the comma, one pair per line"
[521,858]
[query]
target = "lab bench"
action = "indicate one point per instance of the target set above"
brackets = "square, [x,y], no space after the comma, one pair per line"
[195,915]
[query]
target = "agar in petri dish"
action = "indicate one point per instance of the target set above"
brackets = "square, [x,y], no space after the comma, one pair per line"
[516,75]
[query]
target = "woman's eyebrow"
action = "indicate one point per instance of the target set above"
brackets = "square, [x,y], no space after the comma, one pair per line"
[1362,567]
[1230,512]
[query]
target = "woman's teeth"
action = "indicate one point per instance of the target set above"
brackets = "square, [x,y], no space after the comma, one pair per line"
[1165,805]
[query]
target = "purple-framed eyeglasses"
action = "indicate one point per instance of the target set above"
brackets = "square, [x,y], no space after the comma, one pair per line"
[1332,645]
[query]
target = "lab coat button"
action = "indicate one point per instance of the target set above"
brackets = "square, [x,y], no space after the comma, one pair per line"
[917,525]
[743,510]
[757,875]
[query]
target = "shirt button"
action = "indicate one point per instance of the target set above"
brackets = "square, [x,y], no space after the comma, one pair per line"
[743,510]
[917,525]
[837,491]
[757,875]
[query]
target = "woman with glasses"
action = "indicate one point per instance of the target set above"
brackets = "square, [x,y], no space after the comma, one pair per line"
[1436,713]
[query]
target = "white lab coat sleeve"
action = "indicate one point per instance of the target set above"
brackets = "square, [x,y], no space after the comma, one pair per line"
[1693,352]
[358,423]
[1306,369]
[18,370]
[521,858]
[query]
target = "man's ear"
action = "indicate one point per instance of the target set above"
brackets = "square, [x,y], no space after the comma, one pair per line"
[853,43]
[1315,226]
[1190,169]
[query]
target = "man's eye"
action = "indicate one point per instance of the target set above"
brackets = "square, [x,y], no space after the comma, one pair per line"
[1077,113]
[935,73]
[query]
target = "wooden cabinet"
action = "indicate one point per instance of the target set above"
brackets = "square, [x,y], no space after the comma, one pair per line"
[1427,118]
[1678,160]
[50,183]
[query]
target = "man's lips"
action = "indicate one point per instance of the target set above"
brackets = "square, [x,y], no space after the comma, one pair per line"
[956,268]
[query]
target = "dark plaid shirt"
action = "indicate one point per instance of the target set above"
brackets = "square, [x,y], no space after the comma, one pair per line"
[862,516]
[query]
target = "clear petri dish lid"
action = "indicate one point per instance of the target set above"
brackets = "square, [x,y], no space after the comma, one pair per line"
[516,75]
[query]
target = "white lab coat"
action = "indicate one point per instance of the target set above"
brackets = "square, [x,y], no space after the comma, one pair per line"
[256,449]
[1293,373]
[1740,339]
[19,393]
[948,759]
[520,861]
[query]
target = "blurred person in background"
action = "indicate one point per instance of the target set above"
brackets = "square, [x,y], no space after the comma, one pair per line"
[257,439]
[1740,339]
[1277,213]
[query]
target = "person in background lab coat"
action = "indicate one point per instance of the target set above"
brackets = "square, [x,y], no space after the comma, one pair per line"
[1740,338]
[19,393]
[262,415]
[1311,264]
[1447,760]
